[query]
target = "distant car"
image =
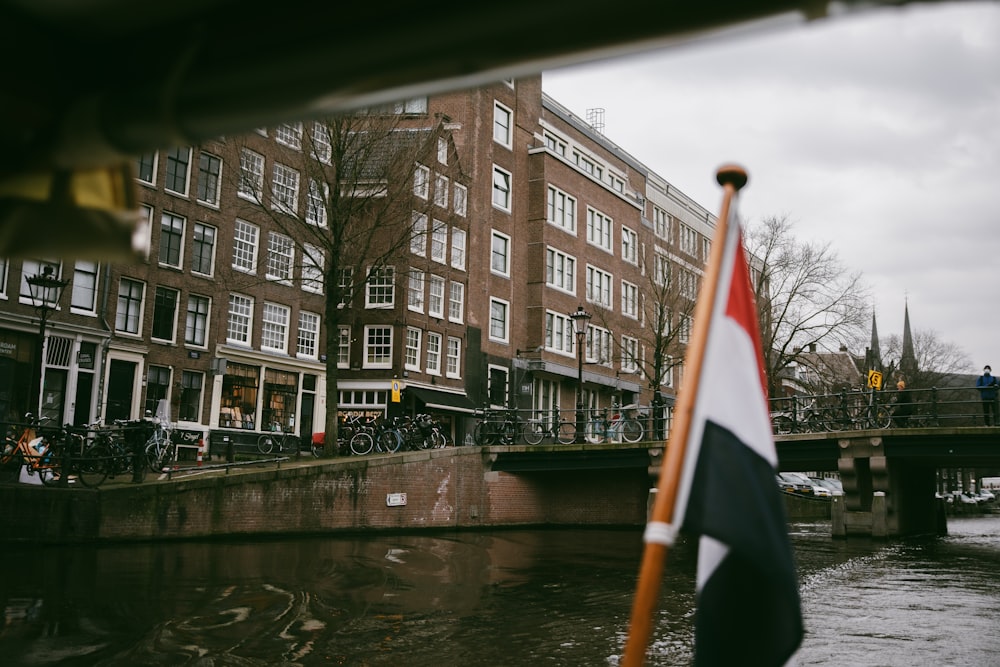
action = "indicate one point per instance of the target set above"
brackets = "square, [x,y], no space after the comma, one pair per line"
[986,496]
[831,486]
[967,498]
[789,482]
[815,490]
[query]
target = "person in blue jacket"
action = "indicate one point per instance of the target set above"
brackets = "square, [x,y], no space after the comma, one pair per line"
[987,385]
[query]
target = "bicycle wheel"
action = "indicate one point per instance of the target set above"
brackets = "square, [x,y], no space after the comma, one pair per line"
[485,434]
[265,443]
[92,467]
[567,433]
[594,432]
[782,424]
[290,443]
[154,454]
[439,438]
[532,432]
[508,433]
[362,443]
[316,448]
[880,418]
[631,430]
[389,441]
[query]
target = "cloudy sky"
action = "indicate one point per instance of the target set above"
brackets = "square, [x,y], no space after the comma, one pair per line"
[877,132]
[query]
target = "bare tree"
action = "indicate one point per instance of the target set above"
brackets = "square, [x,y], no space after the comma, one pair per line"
[806,298]
[935,359]
[365,196]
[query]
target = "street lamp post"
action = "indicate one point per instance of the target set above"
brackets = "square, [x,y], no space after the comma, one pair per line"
[580,319]
[45,290]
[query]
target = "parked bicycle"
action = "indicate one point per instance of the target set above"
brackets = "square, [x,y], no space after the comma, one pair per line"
[620,427]
[497,427]
[550,426]
[276,437]
[26,448]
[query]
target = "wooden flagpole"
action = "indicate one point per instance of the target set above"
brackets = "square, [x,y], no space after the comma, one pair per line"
[731,178]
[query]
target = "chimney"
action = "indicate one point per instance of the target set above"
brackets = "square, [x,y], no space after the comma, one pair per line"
[812,347]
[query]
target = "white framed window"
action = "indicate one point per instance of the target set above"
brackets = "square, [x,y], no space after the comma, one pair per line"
[192,385]
[178,167]
[453,361]
[245,238]
[274,328]
[668,372]
[196,322]
[289,134]
[456,302]
[561,210]
[433,353]
[380,290]
[145,168]
[415,291]
[165,300]
[441,193]
[687,239]
[203,249]
[555,144]
[316,199]
[421,181]
[500,254]
[435,296]
[598,345]
[128,316]
[458,241]
[560,270]
[322,147]
[630,352]
[598,229]
[313,261]
[503,125]
[501,188]
[460,199]
[240,320]
[3,277]
[171,240]
[411,356]
[30,267]
[630,300]
[498,381]
[630,246]
[559,332]
[345,283]
[84,299]
[439,242]
[209,178]
[343,347]
[251,175]
[307,345]
[284,189]
[499,314]
[599,286]
[688,283]
[378,346]
[418,234]
[684,328]
[280,257]
[661,269]
[442,150]
[661,223]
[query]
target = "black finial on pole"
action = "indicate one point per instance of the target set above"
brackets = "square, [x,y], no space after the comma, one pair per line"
[732,174]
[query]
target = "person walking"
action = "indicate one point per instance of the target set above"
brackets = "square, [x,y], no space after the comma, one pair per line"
[987,385]
[904,403]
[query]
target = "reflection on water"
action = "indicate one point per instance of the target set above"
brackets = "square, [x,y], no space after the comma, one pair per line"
[519,597]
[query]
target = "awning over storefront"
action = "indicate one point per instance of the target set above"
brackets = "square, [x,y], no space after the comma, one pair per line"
[442,400]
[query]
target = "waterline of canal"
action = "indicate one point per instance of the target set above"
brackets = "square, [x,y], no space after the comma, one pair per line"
[511,597]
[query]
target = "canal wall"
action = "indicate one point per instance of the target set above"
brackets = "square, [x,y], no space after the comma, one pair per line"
[451,488]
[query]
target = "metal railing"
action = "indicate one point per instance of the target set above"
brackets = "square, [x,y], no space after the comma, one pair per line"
[868,409]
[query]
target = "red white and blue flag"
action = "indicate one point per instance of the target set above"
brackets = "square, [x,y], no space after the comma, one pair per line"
[747,593]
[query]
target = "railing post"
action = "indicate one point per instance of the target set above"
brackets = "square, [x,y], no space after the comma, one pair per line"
[795,414]
[934,405]
[844,417]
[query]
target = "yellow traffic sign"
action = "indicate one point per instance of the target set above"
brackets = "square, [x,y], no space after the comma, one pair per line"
[874,379]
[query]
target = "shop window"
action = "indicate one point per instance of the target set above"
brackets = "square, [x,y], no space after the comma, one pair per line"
[239,396]
[280,391]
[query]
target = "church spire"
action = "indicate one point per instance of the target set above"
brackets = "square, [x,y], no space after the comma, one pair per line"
[908,360]
[875,360]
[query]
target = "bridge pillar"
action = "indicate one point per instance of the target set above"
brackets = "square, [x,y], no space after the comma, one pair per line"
[883,498]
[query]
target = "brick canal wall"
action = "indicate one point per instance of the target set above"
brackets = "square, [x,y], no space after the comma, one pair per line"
[449,488]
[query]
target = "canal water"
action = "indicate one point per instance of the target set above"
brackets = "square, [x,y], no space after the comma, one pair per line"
[503,598]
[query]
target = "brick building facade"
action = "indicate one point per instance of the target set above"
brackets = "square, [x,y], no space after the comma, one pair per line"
[531,214]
